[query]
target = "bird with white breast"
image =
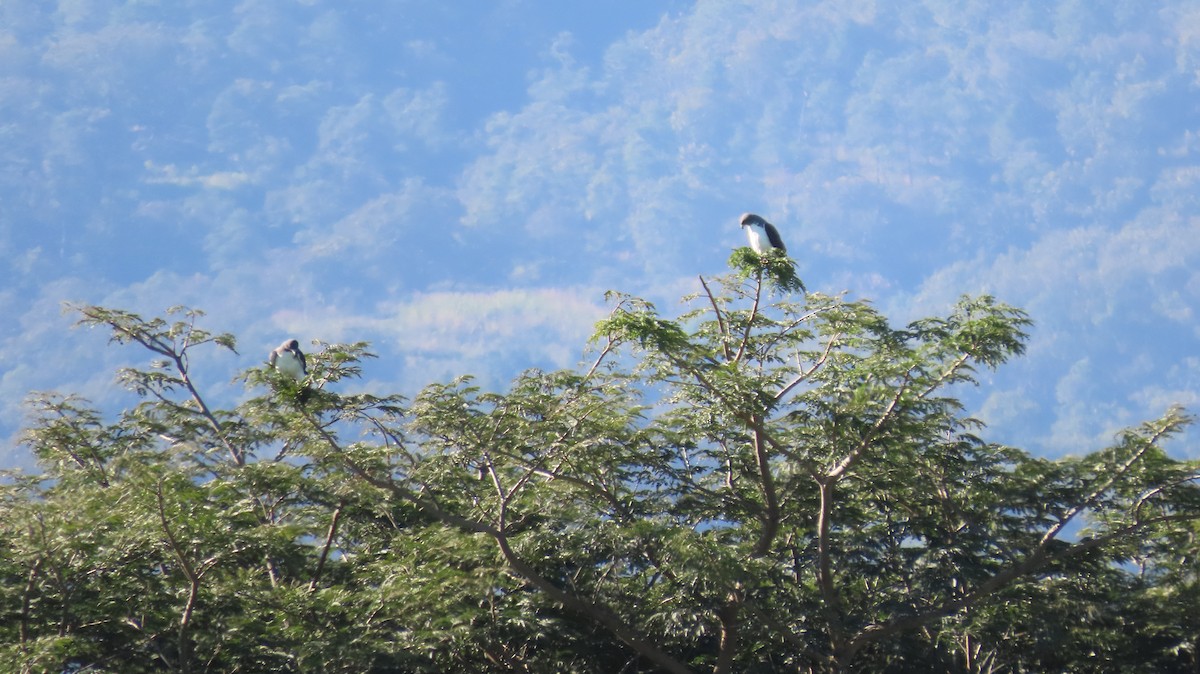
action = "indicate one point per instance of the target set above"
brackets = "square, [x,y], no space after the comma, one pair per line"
[288,359]
[762,235]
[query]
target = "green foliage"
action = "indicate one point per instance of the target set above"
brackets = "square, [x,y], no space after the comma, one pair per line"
[768,485]
[774,267]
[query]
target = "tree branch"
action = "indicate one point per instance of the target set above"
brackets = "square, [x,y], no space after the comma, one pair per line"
[189,572]
[1038,558]
[329,536]
[750,318]
[1113,476]
[806,373]
[720,318]
[596,612]
[852,457]
[831,604]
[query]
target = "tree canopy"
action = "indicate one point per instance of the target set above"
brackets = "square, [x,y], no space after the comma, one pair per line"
[772,481]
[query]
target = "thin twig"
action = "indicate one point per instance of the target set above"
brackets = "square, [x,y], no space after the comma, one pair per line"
[720,318]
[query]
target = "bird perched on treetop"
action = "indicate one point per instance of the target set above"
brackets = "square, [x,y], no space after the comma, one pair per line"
[762,235]
[288,359]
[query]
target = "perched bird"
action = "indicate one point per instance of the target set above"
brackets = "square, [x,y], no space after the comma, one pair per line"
[288,359]
[762,235]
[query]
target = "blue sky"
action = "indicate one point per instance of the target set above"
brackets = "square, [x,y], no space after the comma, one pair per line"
[459,183]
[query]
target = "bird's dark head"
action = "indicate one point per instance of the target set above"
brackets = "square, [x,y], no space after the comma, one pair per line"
[751,219]
[291,344]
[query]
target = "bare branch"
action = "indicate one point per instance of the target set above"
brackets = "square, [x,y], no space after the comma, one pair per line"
[720,317]
[1104,486]
[750,318]
[330,534]
[806,373]
[601,614]
[853,455]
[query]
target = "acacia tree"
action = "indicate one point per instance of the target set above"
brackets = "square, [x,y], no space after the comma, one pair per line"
[772,481]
